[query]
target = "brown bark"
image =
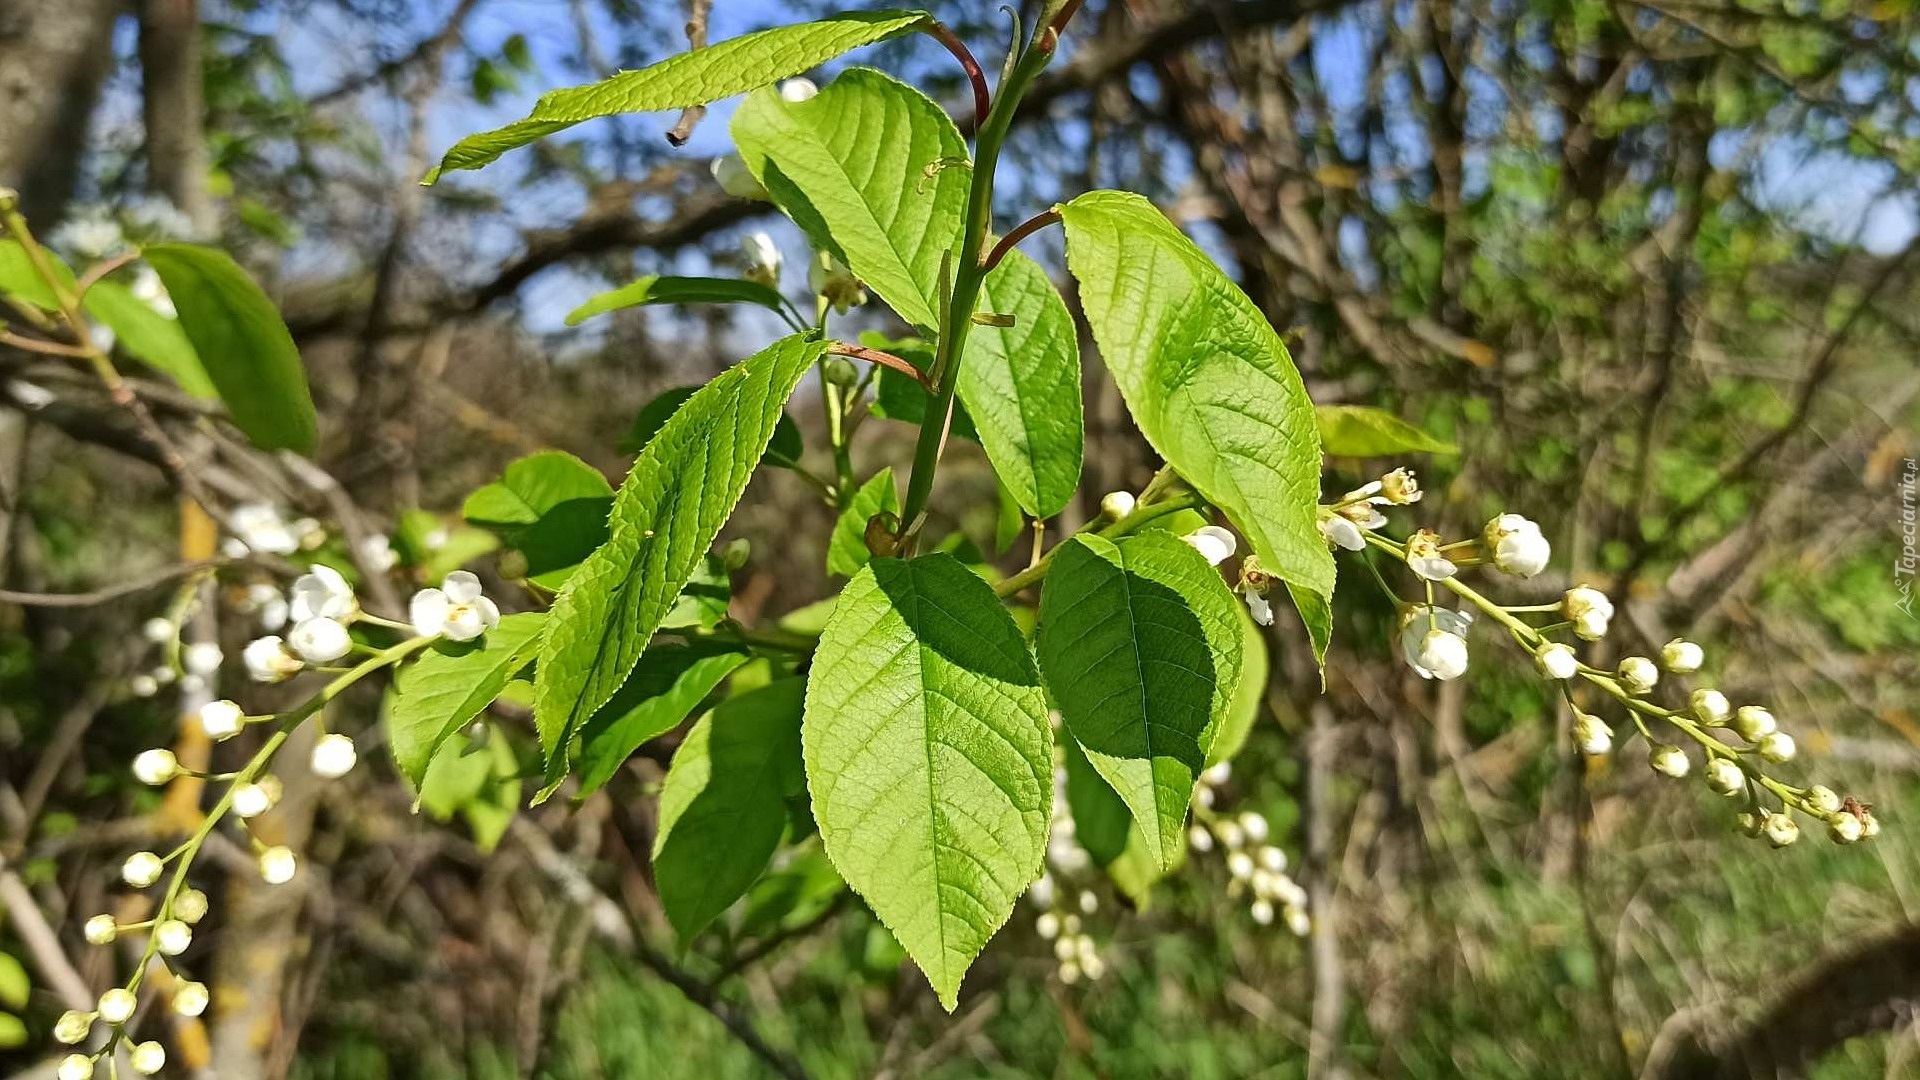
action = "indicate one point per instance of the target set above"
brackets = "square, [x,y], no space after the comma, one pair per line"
[174,108]
[53,58]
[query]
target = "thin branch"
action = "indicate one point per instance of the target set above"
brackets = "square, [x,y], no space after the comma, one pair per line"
[1020,232]
[140,584]
[982,97]
[884,359]
[682,129]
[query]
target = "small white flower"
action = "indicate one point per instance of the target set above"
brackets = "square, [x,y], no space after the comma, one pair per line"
[795,91]
[1066,948]
[30,395]
[1670,761]
[1240,865]
[1869,826]
[268,660]
[92,235]
[1217,774]
[266,600]
[1094,967]
[1556,661]
[156,766]
[1418,626]
[1589,610]
[1255,826]
[1844,828]
[762,258]
[73,1027]
[1214,543]
[75,1067]
[157,630]
[202,658]
[1199,839]
[1754,723]
[1399,488]
[1342,533]
[830,279]
[1592,735]
[222,719]
[117,1005]
[320,641]
[258,527]
[148,288]
[1711,706]
[101,930]
[1823,799]
[172,937]
[1442,656]
[277,865]
[1262,912]
[734,178]
[1424,558]
[1780,829]
[1638,675]
[1258,607]
[1516,545]
[252,800]
[321,593]
[377,554]
[1041,892]
[141,869]
[1724,777]
[164,675]
[143,686]
[148,1058]
[1047,926]
[1298,921]
[1116,505]
[456,610]
[1682,657]
[190,906]
[1089,903]
[1271,859]
[190,998]
[333,756]
[1230,835]
[1777,747]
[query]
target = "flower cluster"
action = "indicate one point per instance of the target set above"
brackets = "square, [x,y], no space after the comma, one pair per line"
[1735,744]
[1258,869]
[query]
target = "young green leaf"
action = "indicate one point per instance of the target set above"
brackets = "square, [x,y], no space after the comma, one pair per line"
[847,549]
[1362,431]
[897,397]
[693,78]
[438,694]
[1021,385]
[479,783]
[929,757]
[655,289]
[1208,381]
[1101,819]
[1140,646]
[1249,697]
[242,343]
[148,336]
[551,507]
[723,807]
[666,515]
[783,451]
[19,278]
[670,682]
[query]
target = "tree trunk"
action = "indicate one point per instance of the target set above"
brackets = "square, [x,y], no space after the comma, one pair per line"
[53,58]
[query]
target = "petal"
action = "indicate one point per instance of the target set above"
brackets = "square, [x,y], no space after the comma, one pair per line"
[428,612]
[461,587]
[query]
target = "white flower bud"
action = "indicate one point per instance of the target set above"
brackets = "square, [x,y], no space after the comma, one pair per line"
[1777,747]
[190,906]
[795,91]
[1669,760]
[1429,656]
[1200,839]
[1240,865]
[1230,835]
[1682,657]
[1041,892]
[251,800]
[75,1067]
[1711,706]
[1272,859]
[202,658]
[1780,829]
[731,173]
[1094,967]
[1823,799]
[1590,612]
[117,1005]
[333,756]
[320,641]
[1089,903]
[1047,926]
[101,930]
[1217,774]
[277,865]
[1298,922]
[1724,777]
[1255,826]
[1442,656]
[143,686]
[1262,912]
[148,1058]
[1116,505]
[1844,828]
[222,719]
[190,998]
[157,630]
[155,767]
[141,869]
[1754,723]
[1516,545]
[73,1027]
[1556,661]
[1869,825]
[1213,542]
[1066,948]
[172,937]
[1069,971]
[1592,735]
[268,660]
[761,257]
[1638,675]
[832,281]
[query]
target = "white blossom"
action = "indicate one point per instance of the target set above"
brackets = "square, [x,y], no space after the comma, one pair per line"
[258,527]
[278,865]
[762,258]
[1271,859]
[148,1058]
[251,800]
[830,279]
[1089,903]
[117,1005]
[1754,723]
[1682,657]
[1041,892]
[1638,674]
[1556,661]
[795,91]
[141,869]
[1724,777]
[1215,775]
[1433,641]
[101,930]
[734,178]
[75,1067]
[1262,912]
[333,756]
[1342,532]
[1216,544]
[1117,504]
[1589,610]
[1516,545]
[268,660]
[1711,706]
[1780,829]
[1240,865]
[456,610]
[1592,735]
[1255,826]
[1298,921]
[1669,760]
[1047,926]
[320,641]
[222,719]
[1823,799]
[143,686]
[91,233]
[1844,828]
[377,554]
[1424,558]
[172,937]
[157,630]
[190,998]
[1258,607]
[150,290]
[265,600]
[1200,839]
[190,906]
[1399,488]
[156,766]
[321,593]
[73,1027]
[1777,747]
[202,658]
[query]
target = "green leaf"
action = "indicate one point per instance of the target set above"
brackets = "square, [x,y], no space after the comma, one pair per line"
[1208,381]
[1140,646]
[478,782]
[1362,431]
[655,289]
[723,807]
[666,515]
[1249,696]
[242,343]
[551,507]
[694,78]
[1021,385]
[847,550]
[704,599]
[14,984]
[784,450]
[850,167]
[19,279]
[929,757]
[897,397]
[438,694]
[436,548]
[1101,819]
[670,682]
[149,336]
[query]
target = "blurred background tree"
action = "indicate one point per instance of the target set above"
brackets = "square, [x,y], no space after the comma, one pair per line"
[1650,265]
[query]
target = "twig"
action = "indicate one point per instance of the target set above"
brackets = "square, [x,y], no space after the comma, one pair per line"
[982,97]
[41,942]
[1020,232]
[766,946]
[151,580]
[682,129]
[884,359]
[702,995]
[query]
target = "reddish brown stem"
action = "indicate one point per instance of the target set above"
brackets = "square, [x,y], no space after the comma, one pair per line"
[1020,232]
[982,99]
[101,270]
[884,359]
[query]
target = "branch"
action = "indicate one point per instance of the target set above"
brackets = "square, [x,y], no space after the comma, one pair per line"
[682,129]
